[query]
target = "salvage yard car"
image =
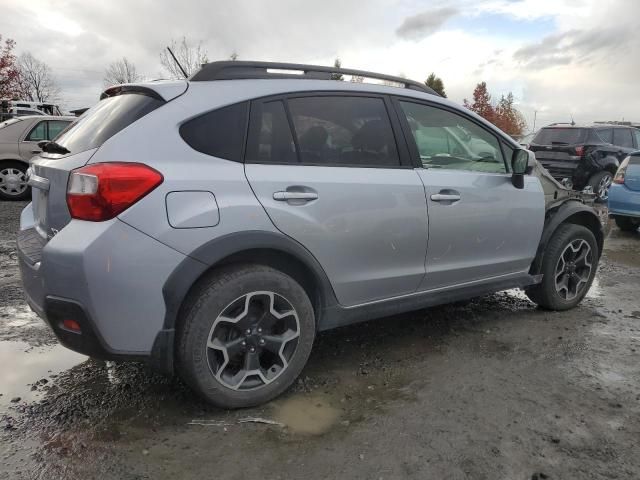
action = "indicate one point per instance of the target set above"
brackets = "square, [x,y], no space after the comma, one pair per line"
[624,196]
[213,226]
[19,138]
[585,156]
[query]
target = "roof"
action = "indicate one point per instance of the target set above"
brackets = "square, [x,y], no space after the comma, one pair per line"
[236,70]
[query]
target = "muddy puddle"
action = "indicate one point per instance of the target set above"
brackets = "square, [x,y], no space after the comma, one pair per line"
[27,372]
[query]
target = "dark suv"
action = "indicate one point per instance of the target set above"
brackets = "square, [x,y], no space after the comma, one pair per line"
[582,156]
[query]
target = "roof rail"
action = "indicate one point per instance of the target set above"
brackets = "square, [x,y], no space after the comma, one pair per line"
[235,70]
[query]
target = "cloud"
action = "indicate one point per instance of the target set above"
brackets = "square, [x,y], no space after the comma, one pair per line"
[572,46]
[417,27]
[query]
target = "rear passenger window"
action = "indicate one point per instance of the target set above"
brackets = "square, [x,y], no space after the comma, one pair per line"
[622,137]
[270,139]
[350,131]
[38,133]
[219,133]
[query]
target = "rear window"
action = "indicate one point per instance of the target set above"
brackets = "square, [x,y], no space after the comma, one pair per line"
[105,119]
[559,135]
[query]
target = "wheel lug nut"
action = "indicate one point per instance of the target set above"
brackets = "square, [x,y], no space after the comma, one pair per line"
[244,344]
[248,331]
[259,330]
[262,341]
[253,349]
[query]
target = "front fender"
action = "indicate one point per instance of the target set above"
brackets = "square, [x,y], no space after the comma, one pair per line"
[571,211]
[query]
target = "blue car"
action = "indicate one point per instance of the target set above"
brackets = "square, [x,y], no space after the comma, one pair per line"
[624,194]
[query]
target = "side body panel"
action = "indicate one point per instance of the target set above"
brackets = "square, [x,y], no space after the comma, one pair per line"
[493,230]
[367,228]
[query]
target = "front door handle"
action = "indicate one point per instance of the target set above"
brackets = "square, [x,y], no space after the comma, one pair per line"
[286,196]
[445,197]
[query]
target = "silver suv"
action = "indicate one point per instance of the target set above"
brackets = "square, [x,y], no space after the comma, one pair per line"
[212,226]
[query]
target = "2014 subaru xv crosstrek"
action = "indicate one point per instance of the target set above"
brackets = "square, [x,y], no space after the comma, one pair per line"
[212,226]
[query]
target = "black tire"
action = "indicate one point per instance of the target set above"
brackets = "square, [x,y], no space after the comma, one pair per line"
[627,224]
[216,295]
[596,183]
[546,294]
[14,165]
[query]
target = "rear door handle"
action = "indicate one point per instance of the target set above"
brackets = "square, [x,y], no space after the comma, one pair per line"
[445,197]
[286,196]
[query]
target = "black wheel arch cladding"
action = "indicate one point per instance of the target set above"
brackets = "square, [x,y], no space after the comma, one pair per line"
[569,212]
[243,247]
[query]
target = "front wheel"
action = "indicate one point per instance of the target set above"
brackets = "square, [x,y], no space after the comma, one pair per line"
[627,224]
[246,336]
[568,267]
[13,181]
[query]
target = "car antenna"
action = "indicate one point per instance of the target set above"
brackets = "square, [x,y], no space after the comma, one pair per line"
[178,63]
[573,123]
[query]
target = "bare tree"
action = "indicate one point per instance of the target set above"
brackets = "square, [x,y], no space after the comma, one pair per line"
[121,71]
[190,55]
[36,81]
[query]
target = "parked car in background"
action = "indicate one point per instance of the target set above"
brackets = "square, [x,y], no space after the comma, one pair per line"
[19,137]
[212,226]
[585,156]
[624,195]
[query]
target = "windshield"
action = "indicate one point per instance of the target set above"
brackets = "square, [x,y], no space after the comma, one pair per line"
[105,119]
[561,136]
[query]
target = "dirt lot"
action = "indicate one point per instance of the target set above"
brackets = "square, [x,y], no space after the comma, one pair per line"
[487,389]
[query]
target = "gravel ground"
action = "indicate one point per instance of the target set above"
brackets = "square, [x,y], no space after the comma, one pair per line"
[487,389]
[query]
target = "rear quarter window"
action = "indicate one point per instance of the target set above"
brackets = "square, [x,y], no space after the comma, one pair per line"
[559,135]
[106,118]
[219,133]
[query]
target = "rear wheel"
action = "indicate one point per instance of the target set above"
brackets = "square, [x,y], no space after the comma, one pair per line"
[600,183]
[13,181]
[568,268]
[246,336]
[627,224]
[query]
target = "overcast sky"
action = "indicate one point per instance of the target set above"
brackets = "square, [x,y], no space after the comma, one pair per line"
[563,58]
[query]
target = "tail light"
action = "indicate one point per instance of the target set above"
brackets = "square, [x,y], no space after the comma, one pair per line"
[101,191]
[619,177]
[580,150]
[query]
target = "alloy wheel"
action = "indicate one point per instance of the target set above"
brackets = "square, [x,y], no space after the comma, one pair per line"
[252,341]
[603,187]
[573,269]
[13,181]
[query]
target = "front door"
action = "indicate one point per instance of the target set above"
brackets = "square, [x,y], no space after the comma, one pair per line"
[480,226]
[326,169]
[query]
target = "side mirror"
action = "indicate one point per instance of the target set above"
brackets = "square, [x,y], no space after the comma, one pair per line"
[519,166]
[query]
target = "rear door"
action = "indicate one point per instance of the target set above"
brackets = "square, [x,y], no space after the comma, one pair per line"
[480,225]
[328,171]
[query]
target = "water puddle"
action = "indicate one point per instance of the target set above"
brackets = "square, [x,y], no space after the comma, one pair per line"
[23,368]
[307,414]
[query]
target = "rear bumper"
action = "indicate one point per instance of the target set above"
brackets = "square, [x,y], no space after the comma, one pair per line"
[106,276]
[624,201]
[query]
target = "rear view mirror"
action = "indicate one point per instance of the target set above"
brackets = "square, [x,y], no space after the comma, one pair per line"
[519,165]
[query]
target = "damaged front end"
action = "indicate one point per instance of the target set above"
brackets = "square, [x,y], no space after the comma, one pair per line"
[555,193]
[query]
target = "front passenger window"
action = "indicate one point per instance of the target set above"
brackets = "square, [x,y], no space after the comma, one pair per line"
[450,141]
